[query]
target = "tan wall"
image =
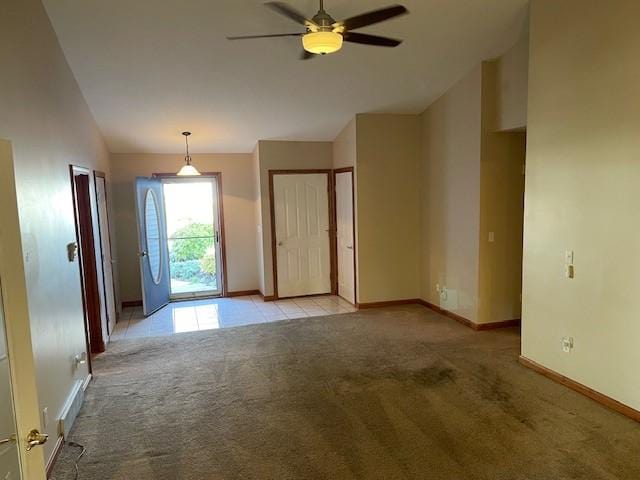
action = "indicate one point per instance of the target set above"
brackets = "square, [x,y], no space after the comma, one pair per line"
[345,149]
[257,207]
[388,207]
[44,115]
[239,213]
[582,193]
[501,207]
[283,155]
[512,71]
[451,129]
[345,154]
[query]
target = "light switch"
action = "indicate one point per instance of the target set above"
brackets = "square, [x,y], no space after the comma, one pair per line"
[492,237]
[568,257]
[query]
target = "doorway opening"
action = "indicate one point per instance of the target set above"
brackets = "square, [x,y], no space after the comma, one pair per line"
[87,250]
[193,236]
[345,244]
[181,238]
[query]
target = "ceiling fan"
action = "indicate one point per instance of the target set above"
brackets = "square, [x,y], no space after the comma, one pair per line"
[325,35]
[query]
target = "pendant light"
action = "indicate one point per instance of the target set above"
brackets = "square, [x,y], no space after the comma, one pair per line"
[188,170]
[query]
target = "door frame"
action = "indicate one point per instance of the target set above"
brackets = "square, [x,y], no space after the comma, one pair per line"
[332,225]
[93,327]
[223,243]
[336,171]
[97,174]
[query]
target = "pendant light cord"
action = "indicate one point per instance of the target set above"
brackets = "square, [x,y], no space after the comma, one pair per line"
[187,159]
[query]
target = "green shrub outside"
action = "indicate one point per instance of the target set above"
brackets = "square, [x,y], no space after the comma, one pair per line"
[186,248]
[193,259]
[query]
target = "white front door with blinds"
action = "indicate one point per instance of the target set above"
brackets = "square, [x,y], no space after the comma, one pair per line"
[345,240]
[301,211]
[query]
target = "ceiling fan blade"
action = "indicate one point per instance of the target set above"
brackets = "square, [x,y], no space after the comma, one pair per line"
[370,18]
[290,12]
[248,37]
[367,39]
[306,55]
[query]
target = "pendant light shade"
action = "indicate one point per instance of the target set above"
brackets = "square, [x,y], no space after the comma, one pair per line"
[187,170]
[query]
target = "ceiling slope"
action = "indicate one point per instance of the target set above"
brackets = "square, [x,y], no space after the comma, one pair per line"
[150,69]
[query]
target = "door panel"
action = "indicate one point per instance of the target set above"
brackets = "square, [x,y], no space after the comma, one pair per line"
[9,455]
[217,226]
[90,264]
[152,245]
[345,240]
[105,243]
[301,207]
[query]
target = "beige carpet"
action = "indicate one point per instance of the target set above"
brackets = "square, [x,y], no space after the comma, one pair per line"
[383,394]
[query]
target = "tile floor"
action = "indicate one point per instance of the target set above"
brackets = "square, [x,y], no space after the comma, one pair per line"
[216,313]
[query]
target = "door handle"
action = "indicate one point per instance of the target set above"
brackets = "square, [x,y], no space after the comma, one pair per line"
[350,247]
[142,254]
[280,244]
[11,439]
[36,438]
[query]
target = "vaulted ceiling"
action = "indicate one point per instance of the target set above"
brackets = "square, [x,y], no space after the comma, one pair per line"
[150,69]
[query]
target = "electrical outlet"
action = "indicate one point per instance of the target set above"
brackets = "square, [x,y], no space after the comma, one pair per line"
[45,417]
[567,344]
[570,271]
[438,287]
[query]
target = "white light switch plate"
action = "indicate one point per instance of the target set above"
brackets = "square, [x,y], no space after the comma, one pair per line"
[568,257]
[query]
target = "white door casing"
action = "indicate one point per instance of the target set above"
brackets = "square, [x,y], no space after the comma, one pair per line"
[344,236]
[303,255]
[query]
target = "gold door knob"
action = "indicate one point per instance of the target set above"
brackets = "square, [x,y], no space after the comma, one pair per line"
[36,438]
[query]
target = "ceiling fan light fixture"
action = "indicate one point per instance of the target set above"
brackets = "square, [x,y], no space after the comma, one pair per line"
[322,43]
[187,169]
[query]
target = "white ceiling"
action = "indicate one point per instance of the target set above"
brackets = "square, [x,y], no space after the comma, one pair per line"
[150,69]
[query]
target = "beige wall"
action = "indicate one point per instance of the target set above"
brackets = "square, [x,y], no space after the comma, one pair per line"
[345,154]
[345,149]
[451,129]
[582,193]
[512,71]
[283,155]
[257,207]
[239,213]
[388,207]
[501,206]
[44,115]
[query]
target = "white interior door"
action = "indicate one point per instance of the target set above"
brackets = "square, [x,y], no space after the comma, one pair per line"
[301,207]
[107,263]
[345,240]
[19,406]
[9,455]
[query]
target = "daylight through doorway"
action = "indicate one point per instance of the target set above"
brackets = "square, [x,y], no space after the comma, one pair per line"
[193,236]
